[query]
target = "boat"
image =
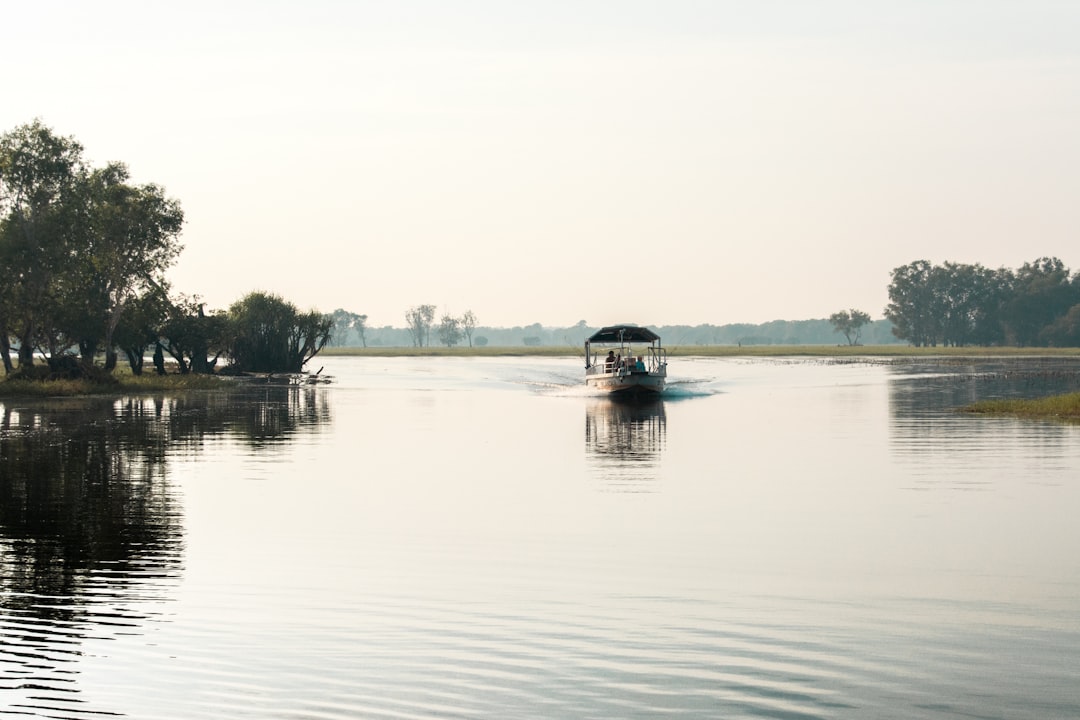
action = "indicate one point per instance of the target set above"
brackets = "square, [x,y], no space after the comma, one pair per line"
[635,363]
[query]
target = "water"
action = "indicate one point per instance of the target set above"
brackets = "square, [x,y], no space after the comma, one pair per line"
[478,538]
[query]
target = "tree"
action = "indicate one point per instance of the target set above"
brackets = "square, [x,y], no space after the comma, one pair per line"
[268,334]
[131,243]
[1043,291]
[39,173]
[191,336]
[468,325]
[914,304]
[76,246]
[449,330]
[1065,331]
[419,320]
[346,322]
[849,322]
[141,327]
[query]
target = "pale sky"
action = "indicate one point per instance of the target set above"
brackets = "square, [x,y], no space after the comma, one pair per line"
[611,161]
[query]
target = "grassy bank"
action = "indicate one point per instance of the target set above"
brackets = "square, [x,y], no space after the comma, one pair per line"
[123,384]
[709,351]
[1061,407]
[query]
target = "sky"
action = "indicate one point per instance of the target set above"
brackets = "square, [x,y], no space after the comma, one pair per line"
[658,163]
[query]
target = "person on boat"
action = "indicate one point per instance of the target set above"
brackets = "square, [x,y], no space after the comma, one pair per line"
[610,362]
[640,364]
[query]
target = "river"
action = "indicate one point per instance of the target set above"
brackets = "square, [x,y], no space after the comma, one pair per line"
[483,538]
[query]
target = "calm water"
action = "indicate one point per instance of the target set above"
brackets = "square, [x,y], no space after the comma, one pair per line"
[481,538]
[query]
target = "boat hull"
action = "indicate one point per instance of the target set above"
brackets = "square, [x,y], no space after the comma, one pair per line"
[631,384]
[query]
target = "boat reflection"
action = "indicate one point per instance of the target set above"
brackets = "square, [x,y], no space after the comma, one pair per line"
[623,441]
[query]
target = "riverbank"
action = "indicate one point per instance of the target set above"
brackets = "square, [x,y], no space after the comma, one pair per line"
[1054,407]
[708,351]
[121,383]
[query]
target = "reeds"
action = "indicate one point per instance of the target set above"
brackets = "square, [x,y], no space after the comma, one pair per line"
[122,384]
[1064,407]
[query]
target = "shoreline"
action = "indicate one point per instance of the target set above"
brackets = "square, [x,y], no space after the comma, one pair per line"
[898,351]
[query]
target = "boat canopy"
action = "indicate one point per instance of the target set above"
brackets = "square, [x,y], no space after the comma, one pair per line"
[623,333]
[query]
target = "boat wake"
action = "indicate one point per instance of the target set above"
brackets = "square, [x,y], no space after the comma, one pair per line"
[675,390]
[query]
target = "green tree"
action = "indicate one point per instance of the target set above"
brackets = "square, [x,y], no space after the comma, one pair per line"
[467,323]
[141,327]
[418,320]
[1065,331]
[193,338]
[346,322]
[39,174]
[268,334]
[132,232]
[850,323]
[1043,291]
[969,298]
[76,246]
[914,303]
[450,333]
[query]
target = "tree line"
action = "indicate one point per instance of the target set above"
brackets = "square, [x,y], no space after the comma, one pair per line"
[955,304]
[83,255]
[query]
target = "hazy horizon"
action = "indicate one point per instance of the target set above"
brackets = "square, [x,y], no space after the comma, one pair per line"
[685,163]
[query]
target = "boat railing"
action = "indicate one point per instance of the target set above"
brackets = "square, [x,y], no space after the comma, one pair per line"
[653,359]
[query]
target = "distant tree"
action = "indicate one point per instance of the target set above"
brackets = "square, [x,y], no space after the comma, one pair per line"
[1063,332]
[914,304]
[346,322]
[532,340]
[481,341]
[360,326]
[850,323]
[1042,292]
[419,321]
[268,334]
[468,325]
[450,333]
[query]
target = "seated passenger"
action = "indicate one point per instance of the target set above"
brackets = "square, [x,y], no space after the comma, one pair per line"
[640,364]
[609,363]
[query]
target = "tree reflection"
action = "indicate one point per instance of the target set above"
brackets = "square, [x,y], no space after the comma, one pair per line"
[91,527]
[624,440]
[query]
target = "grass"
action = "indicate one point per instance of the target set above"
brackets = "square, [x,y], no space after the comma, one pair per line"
[1062,407]
[124,384]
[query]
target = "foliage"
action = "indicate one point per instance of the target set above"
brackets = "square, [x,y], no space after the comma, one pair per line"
[346,324]
[850,323]
[77,246]
[468,325]
[450,333]
[268,334]
[1057,406]
[957,305]
[191,336]
[419,320]
[120,383]
[141,326]
[38,176]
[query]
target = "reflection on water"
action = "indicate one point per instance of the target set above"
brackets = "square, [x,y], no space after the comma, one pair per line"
[925,387]
[436,547]
[91,529]
[959,451]
[623,440]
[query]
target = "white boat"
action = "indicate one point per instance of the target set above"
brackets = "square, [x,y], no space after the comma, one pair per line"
[625,360]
